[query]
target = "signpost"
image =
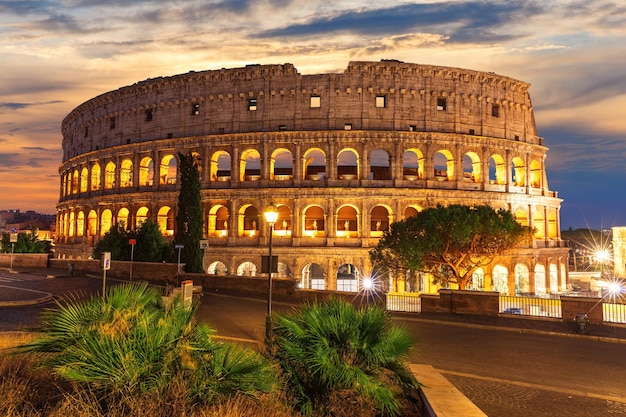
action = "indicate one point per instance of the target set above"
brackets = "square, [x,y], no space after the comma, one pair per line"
[204,243]
[13,241]
[178,246]
[105,264]
[132,243]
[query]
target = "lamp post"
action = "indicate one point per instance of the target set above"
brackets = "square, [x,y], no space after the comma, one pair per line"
[271,215]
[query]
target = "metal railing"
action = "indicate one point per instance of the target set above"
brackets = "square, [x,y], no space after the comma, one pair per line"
[530,306]
[406,302]
[614,313]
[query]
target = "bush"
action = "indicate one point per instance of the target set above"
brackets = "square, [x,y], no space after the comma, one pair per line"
[342,360]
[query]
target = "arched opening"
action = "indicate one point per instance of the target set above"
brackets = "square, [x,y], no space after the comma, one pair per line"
[348,164]
[106,221]
[281,165]
[126,173]
[250,165]
[380,167]
[95,177]
[522,280]
[379,221]
[220,166]
[80,224]
[313,277]
[314,221]
[146,172]
[283,223]
[246,269]
[71,225]
[197,160]
[540,280]
[500,278]
[109,176]
[217,268]
[92,223]
[554,279]
[518,172]
[444,165]
[521,216]
[314,165]
[539,224]
[283,271]
[478,280]
[552,225]
[248,221]
[412,211]
[471,167]
[75,182]
[413,165]
[165,219]
[141,216]
[497,173]
[347,278]
[535,174]
[218,221]
[347,222]
[84,179]
[168,170]
[122,218]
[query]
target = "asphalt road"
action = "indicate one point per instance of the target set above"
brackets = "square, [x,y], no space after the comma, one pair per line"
[505,373]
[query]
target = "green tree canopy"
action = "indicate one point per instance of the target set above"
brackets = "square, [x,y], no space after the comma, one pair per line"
[26,243]
[189,215]
[150,246]
[449,242]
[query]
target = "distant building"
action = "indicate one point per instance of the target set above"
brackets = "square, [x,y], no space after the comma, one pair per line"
[619,251]
[342,155]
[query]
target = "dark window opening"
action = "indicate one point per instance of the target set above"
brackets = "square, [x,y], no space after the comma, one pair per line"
[252,104]
[149,115]
[112,123]
[472,132]
[442,104]
[495,110]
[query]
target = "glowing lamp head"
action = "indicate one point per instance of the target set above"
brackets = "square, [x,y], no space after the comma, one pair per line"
[271,214]
[367,283]
[602,255]
[614,288]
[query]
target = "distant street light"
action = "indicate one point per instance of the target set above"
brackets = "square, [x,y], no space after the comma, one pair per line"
[271,216]
[602,256]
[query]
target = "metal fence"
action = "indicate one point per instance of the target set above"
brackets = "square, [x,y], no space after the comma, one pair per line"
[530,306]
[614,313]
[406,302]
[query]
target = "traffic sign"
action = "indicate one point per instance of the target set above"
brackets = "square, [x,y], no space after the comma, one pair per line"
[179,246]
[204,244]
[14,230]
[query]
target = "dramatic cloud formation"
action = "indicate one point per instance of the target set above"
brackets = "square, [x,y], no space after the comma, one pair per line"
[57,54]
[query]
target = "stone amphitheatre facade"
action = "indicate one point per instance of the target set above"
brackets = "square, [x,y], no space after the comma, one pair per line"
[341,155]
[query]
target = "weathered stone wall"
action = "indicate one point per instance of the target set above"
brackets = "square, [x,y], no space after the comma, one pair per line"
[24,260]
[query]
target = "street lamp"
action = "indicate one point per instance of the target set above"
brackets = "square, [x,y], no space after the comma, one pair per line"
[271,216]
[602,256]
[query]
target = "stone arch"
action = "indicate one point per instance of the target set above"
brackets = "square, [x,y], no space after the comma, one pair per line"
[380,220]
[84,180]
[314,164]
[535,174]
[122,218]
[168,169]
[478,280]
[521,216]
[412,210]
[522,279]
[380,165]
[146,172]
[281,165]
[165,220]
[71,224]
[500,279]
[553,230]
[221,166]
[313,277]
[197,160]
[109,175]
[218,221]
[141,216]
[554,278]
[348,164]
[472,167]
[95,176]
[217,268]
[283,223]
[92,223]
[106,221]
[518,172]
[443,163]
[413,164]
[248,221]
[283,271]
[126,173]
[347,224]
[539,224]
[75,185]
[540,280]
[80,223]
[250,165]
[314,223]
[247,269]
[497,171]
[347,276]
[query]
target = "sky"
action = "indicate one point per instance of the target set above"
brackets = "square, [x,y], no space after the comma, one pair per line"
[57,54]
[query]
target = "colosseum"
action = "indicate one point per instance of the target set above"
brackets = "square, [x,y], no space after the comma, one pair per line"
[341,155]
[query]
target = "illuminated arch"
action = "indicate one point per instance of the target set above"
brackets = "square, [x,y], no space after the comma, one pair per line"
[80,224]
[165,219]
[168,170]
[248,221]
[250,165]
[283,223]
[106,221]
[247,269]
[522,280]
[540,280]
[539,224]
[412,211]
[413,164]
[472,167]
[347,276]
[518,172]
[126,173]
[347,222]
[217,268]
[84,180]
[95,177]
[497,172]
[313,277]
[314,221]
[281,165]
[75,182]
[535,174]
[92,223]
[500,278]
[314,164]
[380,220]
[146,172]
[71,225]
[218,221]
[220,168]
[443,162]
[521,216]
[141,216]
[348,164]
[380,167]
[122,218]
[109,175]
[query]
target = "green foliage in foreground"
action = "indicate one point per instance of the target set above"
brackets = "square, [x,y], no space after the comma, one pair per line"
[130,342]
[26,243]
[151,245]
[333,350]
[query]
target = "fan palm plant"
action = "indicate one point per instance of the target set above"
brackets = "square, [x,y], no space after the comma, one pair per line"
[332,349]
[131,341]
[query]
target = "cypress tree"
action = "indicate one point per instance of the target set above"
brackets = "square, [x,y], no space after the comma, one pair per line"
[189,215]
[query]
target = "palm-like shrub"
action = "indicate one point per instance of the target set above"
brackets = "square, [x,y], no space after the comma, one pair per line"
[130,341]
[334,351]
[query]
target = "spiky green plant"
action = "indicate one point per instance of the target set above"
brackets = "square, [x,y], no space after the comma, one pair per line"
[131,341]
[333,348]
